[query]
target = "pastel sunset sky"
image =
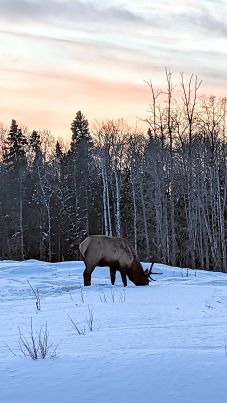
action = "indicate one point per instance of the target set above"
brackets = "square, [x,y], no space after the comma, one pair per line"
[58,57]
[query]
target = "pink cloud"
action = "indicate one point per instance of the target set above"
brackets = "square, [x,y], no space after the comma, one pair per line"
[50,102]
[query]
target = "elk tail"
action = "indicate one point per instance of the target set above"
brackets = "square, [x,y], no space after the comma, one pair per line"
[84,246]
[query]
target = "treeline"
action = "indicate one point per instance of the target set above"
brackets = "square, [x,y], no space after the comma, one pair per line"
[165,190]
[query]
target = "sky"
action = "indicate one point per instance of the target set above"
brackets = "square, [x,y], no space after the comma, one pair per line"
[58,57]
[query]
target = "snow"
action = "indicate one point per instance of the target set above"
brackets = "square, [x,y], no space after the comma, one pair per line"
[165,343]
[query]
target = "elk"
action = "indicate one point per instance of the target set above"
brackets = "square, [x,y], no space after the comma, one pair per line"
[118,254]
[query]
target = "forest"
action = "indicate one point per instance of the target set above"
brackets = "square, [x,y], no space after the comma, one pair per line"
[164,188]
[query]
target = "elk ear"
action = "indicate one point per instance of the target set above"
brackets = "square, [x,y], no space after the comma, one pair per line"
[146,272]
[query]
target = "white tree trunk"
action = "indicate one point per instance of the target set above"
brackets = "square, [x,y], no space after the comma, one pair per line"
[108,207]
[118,211]
[21,227]
[134,215]
[145,220]
[104,201]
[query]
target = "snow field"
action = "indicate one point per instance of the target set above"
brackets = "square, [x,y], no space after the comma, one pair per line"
[164,343]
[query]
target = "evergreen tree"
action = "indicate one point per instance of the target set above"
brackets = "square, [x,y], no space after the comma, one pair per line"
[35,215]
[79,170]
[80,131]
[14,153]
[35,143]
[58,152]
[15,163]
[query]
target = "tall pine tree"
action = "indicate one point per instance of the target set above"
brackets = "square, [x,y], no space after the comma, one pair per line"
[15,163]
[79,167]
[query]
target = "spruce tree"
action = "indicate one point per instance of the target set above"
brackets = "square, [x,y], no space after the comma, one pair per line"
[80,131]
[35,144]
[79,167]
[15,163]
[14,152]
[58,152]
[35,212]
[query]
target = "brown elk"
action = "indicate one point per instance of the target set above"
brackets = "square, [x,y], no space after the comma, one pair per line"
[118,254]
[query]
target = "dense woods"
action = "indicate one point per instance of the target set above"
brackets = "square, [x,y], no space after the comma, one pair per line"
[165,189]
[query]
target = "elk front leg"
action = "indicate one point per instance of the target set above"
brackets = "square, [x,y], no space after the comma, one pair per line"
[124,279]
[87,275]
[112,275]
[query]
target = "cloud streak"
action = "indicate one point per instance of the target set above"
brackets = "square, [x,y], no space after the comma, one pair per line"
[76,48]
[76,11]
[191,15]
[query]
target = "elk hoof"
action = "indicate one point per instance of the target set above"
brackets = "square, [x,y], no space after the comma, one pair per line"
[87,283]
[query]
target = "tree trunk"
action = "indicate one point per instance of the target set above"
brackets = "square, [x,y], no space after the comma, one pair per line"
[118,212]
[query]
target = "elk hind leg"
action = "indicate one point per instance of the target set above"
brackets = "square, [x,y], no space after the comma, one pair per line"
[112,275]
[87,275]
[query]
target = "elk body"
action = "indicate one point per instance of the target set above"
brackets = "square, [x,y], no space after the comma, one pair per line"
[118,254]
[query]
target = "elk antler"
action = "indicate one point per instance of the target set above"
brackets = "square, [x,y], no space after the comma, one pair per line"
[150,273]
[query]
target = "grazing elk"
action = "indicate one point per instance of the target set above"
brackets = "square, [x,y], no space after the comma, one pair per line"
[118,254]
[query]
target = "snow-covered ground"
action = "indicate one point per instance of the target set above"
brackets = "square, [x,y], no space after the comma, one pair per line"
[166,343]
